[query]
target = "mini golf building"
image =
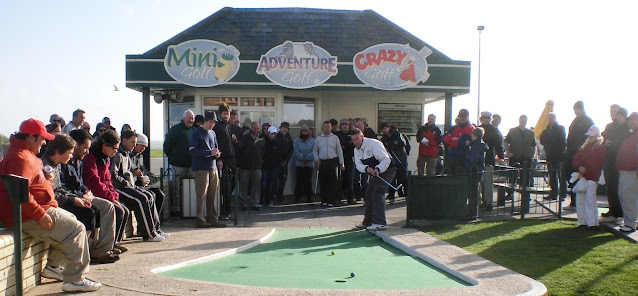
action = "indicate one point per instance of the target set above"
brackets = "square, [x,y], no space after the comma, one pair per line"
[299,65]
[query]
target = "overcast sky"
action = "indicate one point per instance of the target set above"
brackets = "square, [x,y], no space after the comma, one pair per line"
[58,56]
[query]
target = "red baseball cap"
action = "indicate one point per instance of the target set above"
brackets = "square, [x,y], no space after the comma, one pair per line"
[35,127]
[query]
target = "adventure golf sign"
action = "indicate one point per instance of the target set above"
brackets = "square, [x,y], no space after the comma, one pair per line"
[297,65]
[202,63]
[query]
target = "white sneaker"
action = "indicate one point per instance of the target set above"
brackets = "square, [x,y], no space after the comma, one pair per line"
[164,234]
[84,285]
[157,238]
[360,225]
[620,221]
[608,219]
[330,205]
[51,272]
[325,204]
[376,227]
[626,228]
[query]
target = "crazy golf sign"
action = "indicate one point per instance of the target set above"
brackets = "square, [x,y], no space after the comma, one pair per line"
[297,65]
[202,63]
[391,66]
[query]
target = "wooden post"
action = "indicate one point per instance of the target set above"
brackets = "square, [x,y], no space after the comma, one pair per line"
[18,189]
[146,125]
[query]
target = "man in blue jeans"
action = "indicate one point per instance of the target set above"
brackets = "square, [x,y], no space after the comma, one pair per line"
[371,157]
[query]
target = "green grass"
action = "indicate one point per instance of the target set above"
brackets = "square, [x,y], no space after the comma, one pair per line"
[157,153]
[567,260]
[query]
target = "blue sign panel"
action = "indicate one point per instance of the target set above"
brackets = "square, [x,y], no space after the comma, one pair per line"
[391,66]
[297,65]
[202,63]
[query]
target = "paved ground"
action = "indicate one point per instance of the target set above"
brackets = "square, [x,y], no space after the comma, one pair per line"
[132,276]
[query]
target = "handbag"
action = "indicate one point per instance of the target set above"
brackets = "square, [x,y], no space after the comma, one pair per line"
[580,186]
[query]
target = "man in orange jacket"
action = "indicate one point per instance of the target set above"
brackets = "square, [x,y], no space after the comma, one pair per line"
[68,258]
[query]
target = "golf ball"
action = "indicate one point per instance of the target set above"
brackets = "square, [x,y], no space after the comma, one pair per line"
[352,274]
[333,252]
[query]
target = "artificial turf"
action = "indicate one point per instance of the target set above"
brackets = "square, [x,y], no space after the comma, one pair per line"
[302,258]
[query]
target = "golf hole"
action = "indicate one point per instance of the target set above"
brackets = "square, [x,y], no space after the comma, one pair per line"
[340,281]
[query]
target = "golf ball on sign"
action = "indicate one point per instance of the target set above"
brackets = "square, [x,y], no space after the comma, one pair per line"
[352,274]
[333,252]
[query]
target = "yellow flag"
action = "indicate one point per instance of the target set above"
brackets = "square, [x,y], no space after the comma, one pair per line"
[542,121]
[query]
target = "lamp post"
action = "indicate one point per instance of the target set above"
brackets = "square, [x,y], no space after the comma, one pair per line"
[478,103]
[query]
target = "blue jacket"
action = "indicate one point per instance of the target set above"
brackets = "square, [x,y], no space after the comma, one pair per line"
[200,145]
[475,160]
[303,149]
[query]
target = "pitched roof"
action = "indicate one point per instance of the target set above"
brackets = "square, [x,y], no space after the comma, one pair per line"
[254,31]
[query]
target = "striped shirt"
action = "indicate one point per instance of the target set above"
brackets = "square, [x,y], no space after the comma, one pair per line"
[328,147]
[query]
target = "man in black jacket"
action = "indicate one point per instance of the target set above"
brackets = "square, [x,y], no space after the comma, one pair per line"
[553,139]
[251,153]
[615,133]
[392,141]
[348,153]
[576,138]
[226,141]
[285,153]
[494,140]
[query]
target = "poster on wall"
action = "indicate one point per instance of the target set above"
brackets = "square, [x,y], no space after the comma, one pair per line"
[201,63]
[407,118]
[297,65]
[392,66]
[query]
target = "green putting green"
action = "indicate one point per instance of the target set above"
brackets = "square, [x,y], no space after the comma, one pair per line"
[303,259]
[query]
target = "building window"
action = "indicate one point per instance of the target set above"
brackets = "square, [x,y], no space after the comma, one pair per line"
[299,111]
[246,118]
[257,101]
[176,112]
[216,101]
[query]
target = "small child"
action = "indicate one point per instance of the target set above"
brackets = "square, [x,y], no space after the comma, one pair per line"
[589,160]
[475,165]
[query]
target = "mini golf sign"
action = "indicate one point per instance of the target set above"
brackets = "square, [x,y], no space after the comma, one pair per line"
[297,65]
[391,66]
[202,63]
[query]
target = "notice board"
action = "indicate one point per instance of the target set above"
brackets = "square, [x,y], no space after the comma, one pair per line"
[407,118]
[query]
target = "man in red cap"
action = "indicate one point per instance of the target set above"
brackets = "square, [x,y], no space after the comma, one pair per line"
[68,258]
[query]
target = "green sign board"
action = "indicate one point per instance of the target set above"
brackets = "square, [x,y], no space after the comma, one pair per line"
[407,118]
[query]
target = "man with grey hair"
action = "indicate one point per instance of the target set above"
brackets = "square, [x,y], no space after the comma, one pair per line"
[176,148]
[250,156]
[76,122]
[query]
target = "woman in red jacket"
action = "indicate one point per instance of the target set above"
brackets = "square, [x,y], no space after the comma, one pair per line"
[96,175]
[589,160]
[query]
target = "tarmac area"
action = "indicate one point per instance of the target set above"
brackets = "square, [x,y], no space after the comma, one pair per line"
[132,275]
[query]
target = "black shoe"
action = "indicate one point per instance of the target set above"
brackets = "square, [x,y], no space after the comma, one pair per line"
[200,224]
[550,197]
[594,228]
[606,214]
[105,259]
[256,208]
[243,209]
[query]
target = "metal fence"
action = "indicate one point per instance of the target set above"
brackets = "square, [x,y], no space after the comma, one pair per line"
[497,192]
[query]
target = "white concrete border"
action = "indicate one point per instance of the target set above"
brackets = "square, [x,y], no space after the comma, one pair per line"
[213,256]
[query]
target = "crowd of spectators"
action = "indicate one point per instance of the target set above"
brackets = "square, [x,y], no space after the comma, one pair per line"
[82,189]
